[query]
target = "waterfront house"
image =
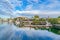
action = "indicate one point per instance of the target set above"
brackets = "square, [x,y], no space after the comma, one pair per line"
[27,22]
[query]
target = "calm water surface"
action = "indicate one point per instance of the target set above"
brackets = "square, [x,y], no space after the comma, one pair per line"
[11,32]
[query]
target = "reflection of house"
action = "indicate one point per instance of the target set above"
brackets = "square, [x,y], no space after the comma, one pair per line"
[30,22]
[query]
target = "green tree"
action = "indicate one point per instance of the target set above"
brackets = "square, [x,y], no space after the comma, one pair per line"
[36,20]
[42,19]
[58,16]
[53,20]
[36,16]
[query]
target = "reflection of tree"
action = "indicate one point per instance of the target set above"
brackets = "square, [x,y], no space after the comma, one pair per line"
[56,31]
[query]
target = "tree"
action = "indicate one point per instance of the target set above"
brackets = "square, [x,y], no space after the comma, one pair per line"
[53,20]
[42,19]
[36,16]
[36,20]
[58,16]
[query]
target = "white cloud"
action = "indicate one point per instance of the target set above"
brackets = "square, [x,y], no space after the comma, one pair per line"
[9,6]
[29,12]
[30,1]
[47,5]
[6,8]
[29,7]
[16,2]
[37,12]
[51,4]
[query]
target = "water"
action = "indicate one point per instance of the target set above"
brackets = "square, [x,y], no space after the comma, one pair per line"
[11,32]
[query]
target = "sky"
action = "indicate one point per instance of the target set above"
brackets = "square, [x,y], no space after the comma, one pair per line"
[28,8]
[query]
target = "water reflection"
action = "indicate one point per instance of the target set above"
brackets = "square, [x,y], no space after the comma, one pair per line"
[11,32]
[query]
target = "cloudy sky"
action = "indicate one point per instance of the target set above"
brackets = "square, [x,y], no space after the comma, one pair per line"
[28,8]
